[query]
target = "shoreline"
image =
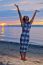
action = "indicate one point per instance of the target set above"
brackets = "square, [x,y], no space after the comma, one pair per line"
[20,25]
[9,60]
[13,48]
[9,42]
[9,54]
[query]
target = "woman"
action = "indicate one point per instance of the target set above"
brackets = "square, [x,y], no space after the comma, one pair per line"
[24,39]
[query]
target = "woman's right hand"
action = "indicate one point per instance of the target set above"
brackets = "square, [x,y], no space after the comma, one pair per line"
[16,5]
[37,11]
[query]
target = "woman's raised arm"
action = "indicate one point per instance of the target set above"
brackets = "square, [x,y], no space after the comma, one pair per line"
[31,21]
[20,16]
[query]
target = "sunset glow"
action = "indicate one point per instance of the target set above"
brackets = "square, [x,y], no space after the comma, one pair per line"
[17,22]
[9,14]
[2,24]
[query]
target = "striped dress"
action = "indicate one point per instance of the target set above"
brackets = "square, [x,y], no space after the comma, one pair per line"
[24,39]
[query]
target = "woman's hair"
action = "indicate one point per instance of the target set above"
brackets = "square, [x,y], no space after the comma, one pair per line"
[25,18]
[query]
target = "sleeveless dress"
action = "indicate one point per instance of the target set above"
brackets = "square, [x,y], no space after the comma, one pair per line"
[24,39]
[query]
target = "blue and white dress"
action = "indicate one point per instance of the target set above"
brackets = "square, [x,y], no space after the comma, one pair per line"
[24,39]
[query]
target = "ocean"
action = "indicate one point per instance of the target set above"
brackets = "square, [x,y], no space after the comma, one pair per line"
[10,41]
[12,33]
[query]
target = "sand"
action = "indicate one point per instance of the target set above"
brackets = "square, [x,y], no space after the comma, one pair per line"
[9,55]
[11,60]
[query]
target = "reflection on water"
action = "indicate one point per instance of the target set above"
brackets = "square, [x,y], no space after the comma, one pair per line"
[12,33]
[2,30]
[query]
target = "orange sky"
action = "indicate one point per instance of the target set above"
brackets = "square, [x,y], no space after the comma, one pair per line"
[17,22]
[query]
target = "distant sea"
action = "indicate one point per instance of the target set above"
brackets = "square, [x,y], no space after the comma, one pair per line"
[12,33]
[10,41]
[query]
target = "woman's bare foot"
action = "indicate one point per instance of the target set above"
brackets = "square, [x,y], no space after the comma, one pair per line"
[24,59]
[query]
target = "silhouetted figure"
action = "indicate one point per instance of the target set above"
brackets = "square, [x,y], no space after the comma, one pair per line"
[26,26]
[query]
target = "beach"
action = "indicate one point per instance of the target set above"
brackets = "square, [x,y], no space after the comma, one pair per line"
[9,54]
[16,61]
[10,46]
[13,13]
[12,33]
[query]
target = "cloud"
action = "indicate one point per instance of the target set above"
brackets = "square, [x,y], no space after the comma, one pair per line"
[24,2]
[29,6]
[7,6]
[26,5]
[1,0]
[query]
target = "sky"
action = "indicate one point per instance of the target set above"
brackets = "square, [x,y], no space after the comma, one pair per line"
[8,11]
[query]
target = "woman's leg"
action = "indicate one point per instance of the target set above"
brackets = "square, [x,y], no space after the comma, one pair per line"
[23,55]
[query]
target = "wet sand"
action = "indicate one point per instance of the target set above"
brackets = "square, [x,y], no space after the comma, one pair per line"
[9,55]
[11,60]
